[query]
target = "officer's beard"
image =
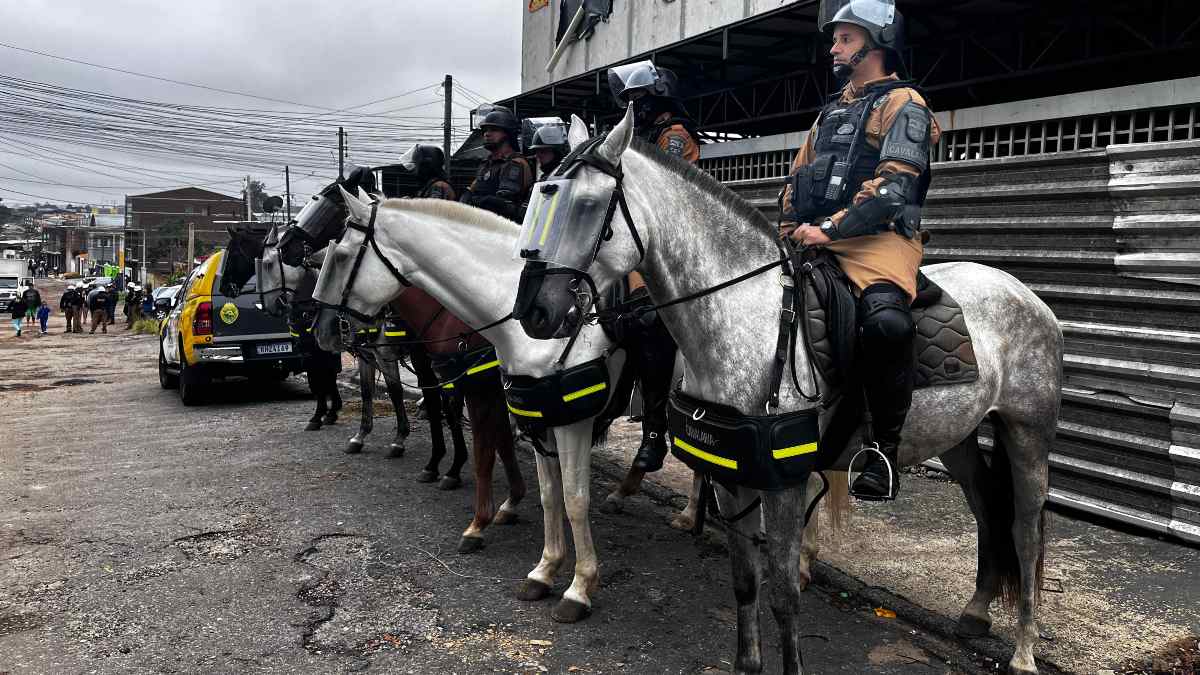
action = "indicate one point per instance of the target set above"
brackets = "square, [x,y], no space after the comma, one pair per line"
[843,71]
[491,146]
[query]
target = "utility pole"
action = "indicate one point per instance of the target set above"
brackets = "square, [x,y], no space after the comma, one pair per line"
[449,86]
[191,246]
[287,186]
[341,153]
[249,210]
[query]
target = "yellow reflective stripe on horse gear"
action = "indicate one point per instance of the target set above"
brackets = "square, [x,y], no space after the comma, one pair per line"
[480,369]
[706,456]
[294,333]
[784,453]
[448,385]
[567,398]
[523,413]
[549,218]
[394,333]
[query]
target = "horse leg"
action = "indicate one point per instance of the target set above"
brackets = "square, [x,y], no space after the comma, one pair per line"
[540,580]
[453,409]
[746,576]
[427,380]
[686,519]
[506,449]
[784,514]
[629,486]
[335,396]
[1027,446]
[836,503]
[366,391]
[318,387]
[395,390]
[485,462]
[966,466]
[575,459]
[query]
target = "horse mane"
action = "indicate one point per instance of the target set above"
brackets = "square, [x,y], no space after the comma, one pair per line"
[694,175]
[444,208]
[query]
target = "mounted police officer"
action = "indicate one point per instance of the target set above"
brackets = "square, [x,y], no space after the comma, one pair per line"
[428,164]
[660,119]
[549,146]
[857,187]
[503,181]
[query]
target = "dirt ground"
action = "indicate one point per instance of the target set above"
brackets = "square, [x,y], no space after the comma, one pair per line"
[137,535]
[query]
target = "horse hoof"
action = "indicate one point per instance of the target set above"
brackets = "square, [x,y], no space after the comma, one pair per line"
[395,450]
[505,518]
[427,476]
[683,522]
[611,506]
[331,418]
[570,611]
[313,425]
[1017,670]
[450,483]
[531,590]
[354,447]
[970,626]
[470,545]
[805,579]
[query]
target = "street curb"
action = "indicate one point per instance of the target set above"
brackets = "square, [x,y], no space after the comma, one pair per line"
[834,580]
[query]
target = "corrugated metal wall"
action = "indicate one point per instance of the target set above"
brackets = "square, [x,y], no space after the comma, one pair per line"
[1109,238]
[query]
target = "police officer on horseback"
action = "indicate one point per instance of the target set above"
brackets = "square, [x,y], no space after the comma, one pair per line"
[549,146]
[428,164]
[504,179]
[857,187]
[661,120]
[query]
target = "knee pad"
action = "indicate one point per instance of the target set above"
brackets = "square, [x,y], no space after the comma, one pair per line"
[884,316]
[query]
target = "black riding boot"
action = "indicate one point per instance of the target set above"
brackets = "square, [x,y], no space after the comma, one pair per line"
[654,354]
[888,363]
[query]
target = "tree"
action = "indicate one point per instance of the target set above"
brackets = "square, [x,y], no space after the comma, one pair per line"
[168,241]
[6,214]
[258,193]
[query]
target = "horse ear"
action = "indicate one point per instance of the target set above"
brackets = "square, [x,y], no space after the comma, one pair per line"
[618,139]
[363,196]
[578,133]
[359,211]
[232,232]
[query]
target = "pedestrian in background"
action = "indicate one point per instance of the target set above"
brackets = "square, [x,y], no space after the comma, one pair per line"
[17,307]
[98,305]
[43,315]
[111,308]
[71,306]
[33,300]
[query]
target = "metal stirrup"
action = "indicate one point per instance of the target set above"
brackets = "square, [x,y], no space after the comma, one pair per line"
[891,493]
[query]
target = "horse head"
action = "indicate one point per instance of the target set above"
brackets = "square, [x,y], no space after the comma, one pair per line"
[323,218]
[279,284]
[354,283]
[567,238]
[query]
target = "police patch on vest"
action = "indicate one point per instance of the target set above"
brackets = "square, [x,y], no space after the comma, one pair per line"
[917,127]
[675,146]
[846,129]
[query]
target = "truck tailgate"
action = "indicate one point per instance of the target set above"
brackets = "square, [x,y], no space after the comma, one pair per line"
[239,320]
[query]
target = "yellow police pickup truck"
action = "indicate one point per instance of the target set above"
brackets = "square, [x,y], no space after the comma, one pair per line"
[217,330]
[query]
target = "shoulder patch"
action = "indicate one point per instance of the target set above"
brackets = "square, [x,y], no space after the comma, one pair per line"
[675,145]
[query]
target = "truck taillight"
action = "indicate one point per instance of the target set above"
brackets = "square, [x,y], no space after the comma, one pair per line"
[202,322]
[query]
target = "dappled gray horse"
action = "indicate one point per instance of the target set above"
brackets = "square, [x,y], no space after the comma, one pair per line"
[686,232]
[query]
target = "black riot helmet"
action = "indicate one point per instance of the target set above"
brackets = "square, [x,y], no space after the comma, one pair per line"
[880,19]
[503,119]
[426,161]
[551,137]
[659,86]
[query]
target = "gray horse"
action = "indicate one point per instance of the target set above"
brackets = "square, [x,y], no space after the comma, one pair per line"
[695,233]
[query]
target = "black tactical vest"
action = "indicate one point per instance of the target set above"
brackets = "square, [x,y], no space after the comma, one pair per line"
[842,158]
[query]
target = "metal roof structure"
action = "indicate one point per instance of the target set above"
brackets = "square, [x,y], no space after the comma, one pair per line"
[770,73]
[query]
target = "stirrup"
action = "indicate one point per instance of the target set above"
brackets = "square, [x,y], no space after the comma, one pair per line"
[850,476]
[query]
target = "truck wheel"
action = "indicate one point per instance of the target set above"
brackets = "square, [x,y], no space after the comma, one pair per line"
[193,382]
[165,379]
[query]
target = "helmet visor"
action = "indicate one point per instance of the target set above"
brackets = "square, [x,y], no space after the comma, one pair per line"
[626,78]
[562,224]
[876,12]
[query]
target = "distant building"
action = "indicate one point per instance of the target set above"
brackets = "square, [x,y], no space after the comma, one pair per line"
[161,217]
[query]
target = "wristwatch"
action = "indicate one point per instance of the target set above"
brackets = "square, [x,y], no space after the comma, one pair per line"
[829,229]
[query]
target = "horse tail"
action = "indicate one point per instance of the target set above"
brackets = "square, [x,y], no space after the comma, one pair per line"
[837,500]
[1001,517]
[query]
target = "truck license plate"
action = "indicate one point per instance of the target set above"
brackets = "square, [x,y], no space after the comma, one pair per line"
[275,348]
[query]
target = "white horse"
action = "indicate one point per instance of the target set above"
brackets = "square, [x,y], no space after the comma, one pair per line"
[462,257]
[687,232]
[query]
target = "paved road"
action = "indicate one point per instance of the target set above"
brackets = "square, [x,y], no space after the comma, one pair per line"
[137,535]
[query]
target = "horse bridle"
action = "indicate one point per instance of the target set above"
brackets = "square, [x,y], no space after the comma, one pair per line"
[342,308]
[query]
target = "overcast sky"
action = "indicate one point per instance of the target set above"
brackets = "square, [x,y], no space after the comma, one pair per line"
[329,54]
